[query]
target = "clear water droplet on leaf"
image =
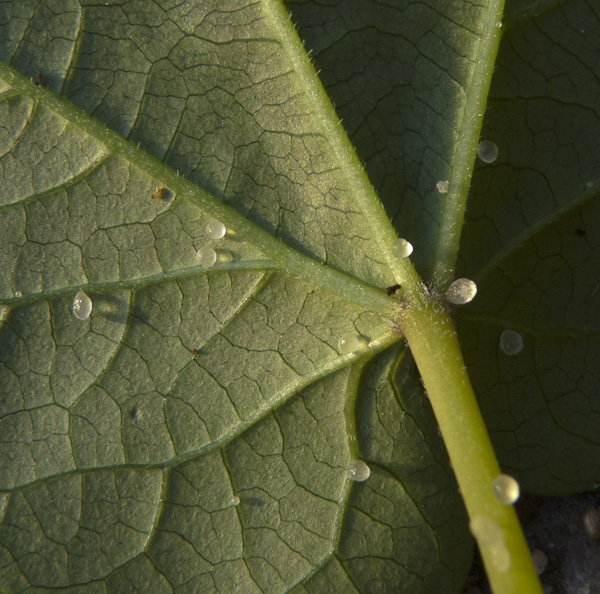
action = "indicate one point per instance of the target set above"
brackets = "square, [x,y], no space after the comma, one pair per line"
[348,343]
[82,306]
[506,489]
[215,230]
[461,291]
[206,256]
[511,342]
[402,248]
[487,151]
[234,501]
[359,471]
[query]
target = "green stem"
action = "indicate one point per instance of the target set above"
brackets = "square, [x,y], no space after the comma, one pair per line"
[434,345]
[344,154]
[466,147]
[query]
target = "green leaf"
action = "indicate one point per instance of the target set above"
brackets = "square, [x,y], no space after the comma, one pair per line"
[127,438]
[190,386]
[531,244]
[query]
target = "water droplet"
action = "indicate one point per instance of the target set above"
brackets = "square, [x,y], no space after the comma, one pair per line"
[18,294]
[487,151]
[540,560]
[498,24]
[215,230]
[234,501]
[359,471]
[490,539]
[506,489]
[461,291]
[443,186]
[402,248]
[485,528]
[348,343]
[591,523]
[82,306]
[511,342]
[206,256]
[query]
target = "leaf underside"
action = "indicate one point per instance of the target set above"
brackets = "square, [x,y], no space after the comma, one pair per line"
[125,437]
[532,243]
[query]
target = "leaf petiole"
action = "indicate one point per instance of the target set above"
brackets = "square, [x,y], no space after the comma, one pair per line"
[432,339]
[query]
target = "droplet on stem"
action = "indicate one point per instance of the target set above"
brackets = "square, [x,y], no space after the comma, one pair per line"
[490,539]
[402,248]
[206,256]
[487,151]
[82,306]
[506,489]
[461,291]
[511,342]
[348,343]
[359,471]
[215,230]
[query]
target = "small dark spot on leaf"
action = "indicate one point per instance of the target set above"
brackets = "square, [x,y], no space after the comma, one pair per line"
[195,351]
[258,501]
[391,290]
[580,231]
[160,192]
[38,80]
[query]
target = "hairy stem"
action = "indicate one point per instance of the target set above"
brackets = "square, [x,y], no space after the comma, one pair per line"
[433,342]
[466,147]
[341,146]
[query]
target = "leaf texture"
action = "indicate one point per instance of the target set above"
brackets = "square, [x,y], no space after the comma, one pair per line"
[532,245]
[127,437]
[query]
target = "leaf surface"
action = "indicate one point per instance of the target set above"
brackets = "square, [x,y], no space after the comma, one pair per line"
[531,242]
[128,437]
